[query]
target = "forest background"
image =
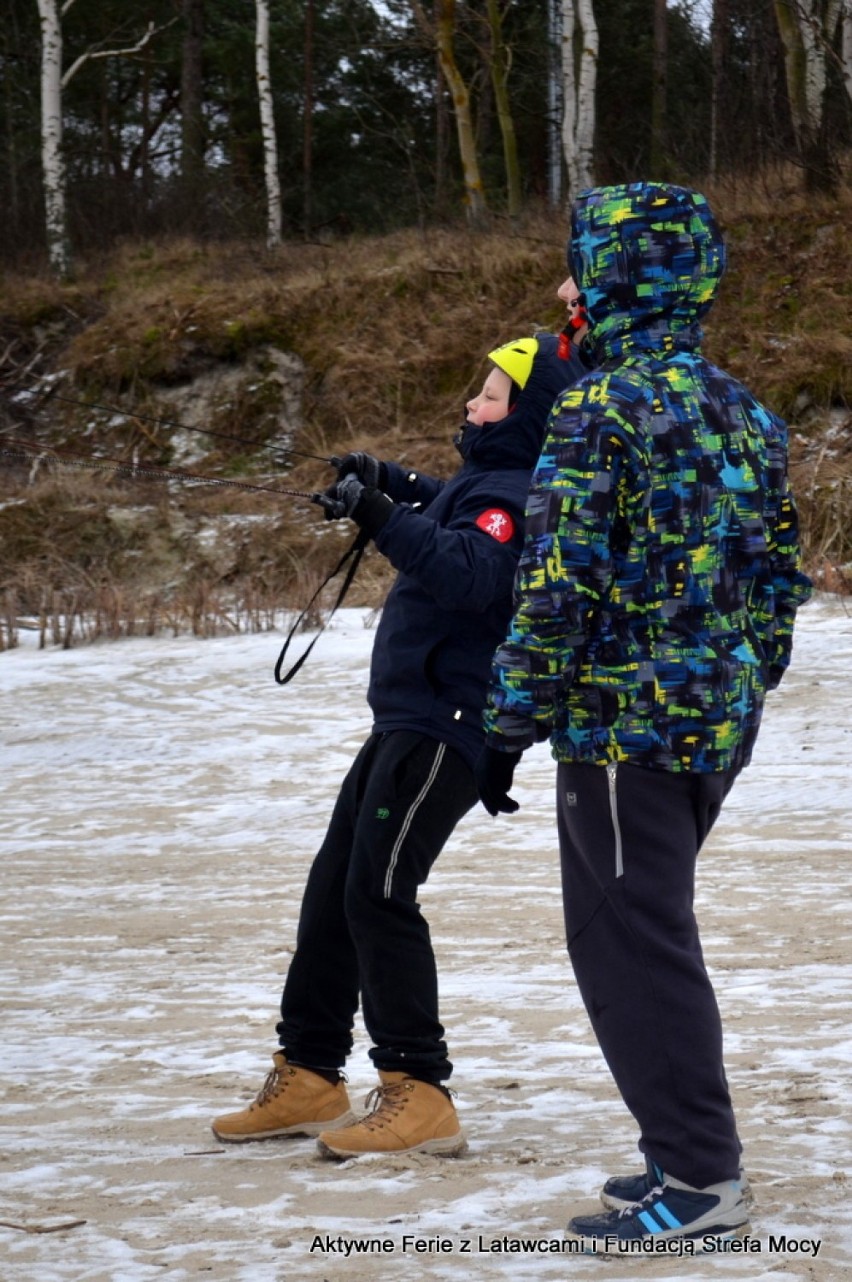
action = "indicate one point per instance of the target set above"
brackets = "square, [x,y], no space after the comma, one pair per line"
[178,319]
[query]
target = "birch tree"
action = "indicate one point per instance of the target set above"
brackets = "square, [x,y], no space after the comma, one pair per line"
[53,82]
[579,77]
[267,125]
[53,163]
[808,28]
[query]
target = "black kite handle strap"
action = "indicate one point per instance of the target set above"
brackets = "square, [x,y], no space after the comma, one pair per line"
[353,554]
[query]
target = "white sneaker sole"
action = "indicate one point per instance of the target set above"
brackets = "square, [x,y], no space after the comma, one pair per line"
[610,1244]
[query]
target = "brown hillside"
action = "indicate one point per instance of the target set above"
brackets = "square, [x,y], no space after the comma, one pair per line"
[391,336]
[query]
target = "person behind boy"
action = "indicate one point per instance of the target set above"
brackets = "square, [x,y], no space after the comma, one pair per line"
[657,591]
[361,931]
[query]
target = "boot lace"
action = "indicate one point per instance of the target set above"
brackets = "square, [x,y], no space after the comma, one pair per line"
[276,1081]
[386,1103]
[627,1212]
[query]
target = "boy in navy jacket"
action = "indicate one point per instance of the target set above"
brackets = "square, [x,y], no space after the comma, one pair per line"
[361,932]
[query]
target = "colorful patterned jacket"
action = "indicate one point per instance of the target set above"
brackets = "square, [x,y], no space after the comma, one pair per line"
[660,574]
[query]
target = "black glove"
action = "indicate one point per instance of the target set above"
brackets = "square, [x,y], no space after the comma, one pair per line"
[368,469]
[369,508]
[341,498]
[493,774]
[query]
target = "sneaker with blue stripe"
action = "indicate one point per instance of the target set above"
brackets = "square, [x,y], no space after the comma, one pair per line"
[671,1210]
[621,1191]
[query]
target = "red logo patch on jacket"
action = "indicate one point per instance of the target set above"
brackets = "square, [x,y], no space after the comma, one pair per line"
[497,523]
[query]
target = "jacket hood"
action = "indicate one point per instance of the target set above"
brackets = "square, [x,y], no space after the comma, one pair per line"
[516,440]
[648,258]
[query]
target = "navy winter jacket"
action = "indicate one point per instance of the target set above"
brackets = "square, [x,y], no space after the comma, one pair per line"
[456,545]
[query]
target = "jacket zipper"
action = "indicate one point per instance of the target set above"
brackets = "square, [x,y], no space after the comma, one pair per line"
[611,771]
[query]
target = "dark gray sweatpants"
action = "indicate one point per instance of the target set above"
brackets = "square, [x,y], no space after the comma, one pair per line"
[629,839]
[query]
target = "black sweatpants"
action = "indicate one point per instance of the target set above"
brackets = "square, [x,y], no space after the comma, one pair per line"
[361,930]
[629,839]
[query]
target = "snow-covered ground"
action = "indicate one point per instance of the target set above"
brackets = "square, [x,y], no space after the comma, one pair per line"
[162,801]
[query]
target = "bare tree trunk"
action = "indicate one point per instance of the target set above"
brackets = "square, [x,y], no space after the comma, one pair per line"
[846,44]
[308,123]
[719,42]
[441,133]
[659,91]
[442,32]
[473,186]
[807,29]
[53,163]
[554,102]
[144,146]
[11,141]
[500,80]
[267,125]
[579,77]
[108,158]
[192,98]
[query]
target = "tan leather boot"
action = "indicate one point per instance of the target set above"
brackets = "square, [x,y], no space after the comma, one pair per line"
[292,1101]
[409,1117]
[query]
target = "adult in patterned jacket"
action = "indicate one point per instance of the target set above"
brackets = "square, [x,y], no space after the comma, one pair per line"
[361,932]
[657,591]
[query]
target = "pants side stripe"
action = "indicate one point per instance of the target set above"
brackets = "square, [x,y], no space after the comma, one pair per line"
[412,810]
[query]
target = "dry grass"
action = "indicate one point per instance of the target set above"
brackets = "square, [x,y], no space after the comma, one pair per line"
[393,334]
[86,558]
[821,476]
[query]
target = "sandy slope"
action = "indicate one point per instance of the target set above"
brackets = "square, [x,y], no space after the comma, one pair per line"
[161,803]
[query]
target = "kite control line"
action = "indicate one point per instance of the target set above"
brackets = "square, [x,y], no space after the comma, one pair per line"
[31,453]
[174,425]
